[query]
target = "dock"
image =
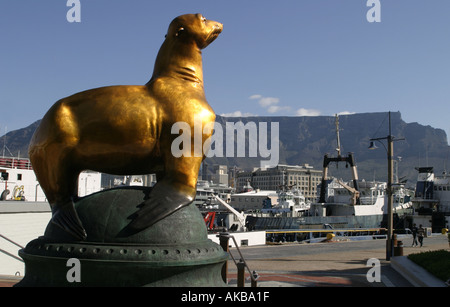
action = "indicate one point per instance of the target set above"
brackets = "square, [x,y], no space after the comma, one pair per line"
[330,264]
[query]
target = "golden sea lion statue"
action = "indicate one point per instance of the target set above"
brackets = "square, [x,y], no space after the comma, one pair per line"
[126,130]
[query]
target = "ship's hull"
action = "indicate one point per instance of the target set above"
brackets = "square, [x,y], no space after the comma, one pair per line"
[314,222]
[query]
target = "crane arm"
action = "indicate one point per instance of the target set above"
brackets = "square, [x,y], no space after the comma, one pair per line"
[239,215]
[354,191]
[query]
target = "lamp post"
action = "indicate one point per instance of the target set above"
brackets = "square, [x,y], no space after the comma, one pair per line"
[390,156]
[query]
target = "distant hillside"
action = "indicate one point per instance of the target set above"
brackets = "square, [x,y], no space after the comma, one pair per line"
[17,141]
[307,139]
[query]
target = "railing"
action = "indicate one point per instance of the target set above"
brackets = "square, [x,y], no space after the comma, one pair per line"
[241,265]
[20,163]
[307,235]
[8,253]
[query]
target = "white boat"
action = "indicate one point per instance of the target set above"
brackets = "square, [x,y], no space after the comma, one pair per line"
[18,181]
[431,201]
[372,199]
[290,201]
[340,209]
[432,190]
[207,190]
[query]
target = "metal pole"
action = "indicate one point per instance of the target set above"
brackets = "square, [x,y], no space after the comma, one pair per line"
[224,238]
[241,273]
[390,192]
[390,198]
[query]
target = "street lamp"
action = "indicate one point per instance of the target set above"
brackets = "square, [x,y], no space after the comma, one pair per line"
[390,155]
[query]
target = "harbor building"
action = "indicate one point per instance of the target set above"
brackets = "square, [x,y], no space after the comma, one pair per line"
[303,177]
[253,199]
[220,174]
[217,174]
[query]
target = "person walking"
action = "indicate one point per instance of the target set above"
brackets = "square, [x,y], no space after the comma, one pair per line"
[421,234]
[414,234]
[448,237]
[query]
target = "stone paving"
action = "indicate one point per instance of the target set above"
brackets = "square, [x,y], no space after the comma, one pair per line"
[341,265]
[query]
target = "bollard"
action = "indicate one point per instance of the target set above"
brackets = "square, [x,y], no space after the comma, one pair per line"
[254,279]
[400,247]
[241,274]
[223,239]
[398,250]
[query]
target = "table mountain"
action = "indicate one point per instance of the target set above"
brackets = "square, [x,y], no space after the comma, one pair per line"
[307,139]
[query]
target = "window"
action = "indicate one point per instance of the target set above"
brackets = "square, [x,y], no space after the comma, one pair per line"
[19,177]
[5,175]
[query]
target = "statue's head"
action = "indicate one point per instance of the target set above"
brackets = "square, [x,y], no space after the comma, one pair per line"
[194,27]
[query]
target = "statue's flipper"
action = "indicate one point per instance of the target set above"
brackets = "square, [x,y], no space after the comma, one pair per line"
[163,201]
[66,223]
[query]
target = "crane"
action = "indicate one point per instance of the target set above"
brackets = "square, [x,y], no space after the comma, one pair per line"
[354,191]
[240,216]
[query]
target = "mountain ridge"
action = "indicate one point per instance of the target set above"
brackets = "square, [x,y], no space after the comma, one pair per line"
[305,140]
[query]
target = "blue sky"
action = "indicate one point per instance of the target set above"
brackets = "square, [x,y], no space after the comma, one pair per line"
[287,57]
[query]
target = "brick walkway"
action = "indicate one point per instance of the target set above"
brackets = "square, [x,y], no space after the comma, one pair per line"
[311,267]
[8,282]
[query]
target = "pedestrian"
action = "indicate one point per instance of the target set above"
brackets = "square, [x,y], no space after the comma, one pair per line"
[420,234]
[414,234]
[448,237]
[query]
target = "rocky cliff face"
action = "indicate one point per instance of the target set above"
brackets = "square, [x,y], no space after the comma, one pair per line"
[307,139]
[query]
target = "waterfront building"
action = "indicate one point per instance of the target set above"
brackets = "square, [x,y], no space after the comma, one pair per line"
[303,177]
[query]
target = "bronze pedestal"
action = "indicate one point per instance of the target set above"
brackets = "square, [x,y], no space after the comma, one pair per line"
[173,252]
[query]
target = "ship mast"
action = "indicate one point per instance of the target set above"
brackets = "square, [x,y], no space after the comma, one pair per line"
[347,159]
[338,149]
